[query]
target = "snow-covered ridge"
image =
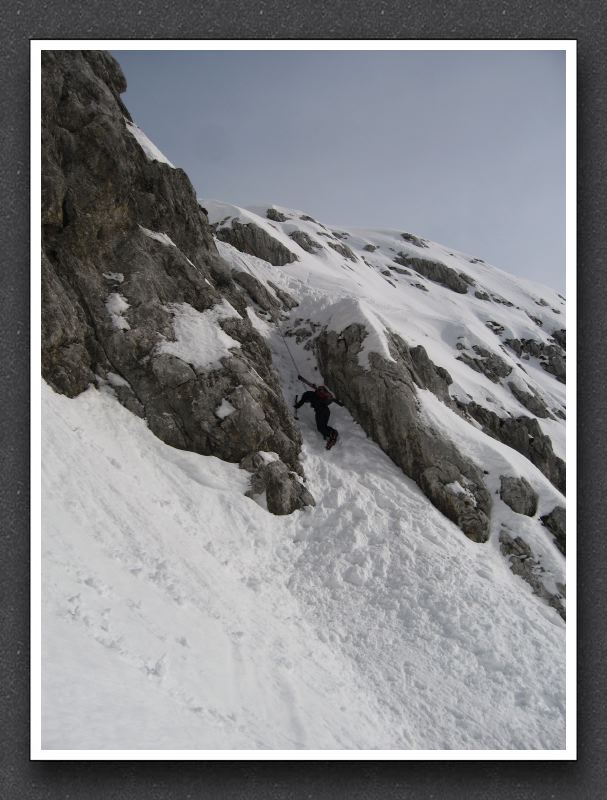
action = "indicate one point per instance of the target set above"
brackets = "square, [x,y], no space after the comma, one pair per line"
[496,309]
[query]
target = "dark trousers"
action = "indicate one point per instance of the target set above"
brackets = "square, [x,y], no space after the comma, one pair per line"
[322,419]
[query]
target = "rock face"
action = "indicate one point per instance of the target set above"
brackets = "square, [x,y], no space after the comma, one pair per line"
[435,271]
[343,250]
[519,495]
[412,239]
[383,401]
[488,363]
[276,215]
[550,356]
[531,400]
[306,242]
[525,435]
[284,491]
[128,258]
[250,238]
[556,523]
[523,563]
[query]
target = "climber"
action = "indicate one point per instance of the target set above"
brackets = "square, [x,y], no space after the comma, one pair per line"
[320,399]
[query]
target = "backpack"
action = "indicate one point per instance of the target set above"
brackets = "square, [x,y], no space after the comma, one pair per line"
[323,393]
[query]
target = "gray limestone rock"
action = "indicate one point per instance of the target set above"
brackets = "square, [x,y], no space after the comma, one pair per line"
[525,565]
[524,435]
[435,271]
[531,400]
[414,240]
[284,490]
[258,293]
[560,337]
[275,215]
[550,356]
[383,400]
[489,364]
[126,248]
[287,300]
[519,495]
[556,523]
[306,242]
[343,250]
[250,238]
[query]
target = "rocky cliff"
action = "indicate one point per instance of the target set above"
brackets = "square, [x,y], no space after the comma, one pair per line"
[135,294]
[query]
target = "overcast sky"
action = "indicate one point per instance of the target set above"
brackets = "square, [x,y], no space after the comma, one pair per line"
[465,148]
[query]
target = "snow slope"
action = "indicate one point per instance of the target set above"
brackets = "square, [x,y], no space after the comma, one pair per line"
[179,614]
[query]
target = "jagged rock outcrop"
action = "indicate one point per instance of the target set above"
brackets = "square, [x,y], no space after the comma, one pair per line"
[531,401]
[560,337]
[525,435]
[488,363]
[135,294]
[250,238]
[435,271]
[383,401]
[519,495]
[285,298]
[523,563]
[306,242]
[415,240]
[550,356]
[284,492]
[343,250]
[556,523]
[275,215]
[259,294]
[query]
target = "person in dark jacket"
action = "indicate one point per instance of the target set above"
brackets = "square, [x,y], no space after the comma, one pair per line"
[320,399]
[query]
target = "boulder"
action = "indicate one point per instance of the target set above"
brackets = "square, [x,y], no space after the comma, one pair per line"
[283,488]
[519,495]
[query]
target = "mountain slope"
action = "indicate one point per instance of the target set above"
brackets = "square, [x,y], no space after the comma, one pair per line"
[180,614]
[407,590]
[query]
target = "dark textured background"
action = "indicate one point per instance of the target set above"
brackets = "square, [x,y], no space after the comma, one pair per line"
[528,19]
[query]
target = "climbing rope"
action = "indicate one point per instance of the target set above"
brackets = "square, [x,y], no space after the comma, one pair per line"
[289,352]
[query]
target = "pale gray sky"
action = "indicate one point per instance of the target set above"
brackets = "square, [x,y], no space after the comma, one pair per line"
[465,148]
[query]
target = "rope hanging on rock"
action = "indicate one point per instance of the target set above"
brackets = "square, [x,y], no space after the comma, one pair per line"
[289,352]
